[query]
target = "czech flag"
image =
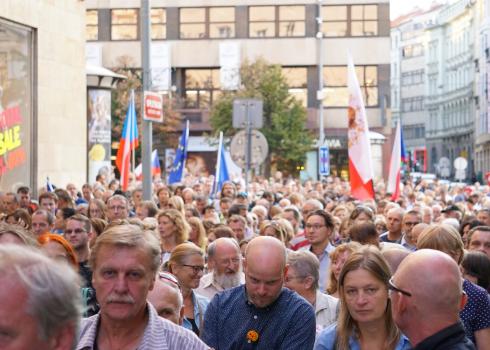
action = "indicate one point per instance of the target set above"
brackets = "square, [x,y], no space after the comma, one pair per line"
[129,142]
[398,156]
[359,147]
[155,167]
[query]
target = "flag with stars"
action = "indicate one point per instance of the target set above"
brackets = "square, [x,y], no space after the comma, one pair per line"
[177,170]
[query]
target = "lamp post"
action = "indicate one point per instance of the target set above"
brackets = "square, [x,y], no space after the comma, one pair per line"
[320,95]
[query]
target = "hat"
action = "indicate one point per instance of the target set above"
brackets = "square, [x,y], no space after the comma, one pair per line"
[451,208]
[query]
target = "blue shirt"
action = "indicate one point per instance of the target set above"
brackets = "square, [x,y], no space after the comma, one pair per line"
[324,264]
[476,313]
[200,306]
[288,323]
[326,340]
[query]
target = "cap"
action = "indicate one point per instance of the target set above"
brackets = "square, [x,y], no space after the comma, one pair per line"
[451,208]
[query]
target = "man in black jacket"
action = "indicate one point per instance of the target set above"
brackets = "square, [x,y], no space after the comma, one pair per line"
[426,297]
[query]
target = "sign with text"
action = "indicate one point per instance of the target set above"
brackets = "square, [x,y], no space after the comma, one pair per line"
[153,103]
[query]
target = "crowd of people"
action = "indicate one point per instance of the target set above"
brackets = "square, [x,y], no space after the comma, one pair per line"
[286,265]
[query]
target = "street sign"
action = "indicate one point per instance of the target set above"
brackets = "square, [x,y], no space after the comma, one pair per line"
[323,161]
[250,110]
[153,103]
[238,148]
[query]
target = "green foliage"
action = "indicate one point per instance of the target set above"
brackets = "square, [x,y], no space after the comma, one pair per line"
[284,116]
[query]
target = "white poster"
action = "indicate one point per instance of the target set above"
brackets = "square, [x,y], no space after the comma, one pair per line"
[161,75]
[229,60]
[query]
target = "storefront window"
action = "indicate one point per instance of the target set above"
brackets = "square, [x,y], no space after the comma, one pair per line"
[16,109]
[124,24]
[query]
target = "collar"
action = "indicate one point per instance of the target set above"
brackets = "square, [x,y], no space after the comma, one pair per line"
[440,338]
[259,309]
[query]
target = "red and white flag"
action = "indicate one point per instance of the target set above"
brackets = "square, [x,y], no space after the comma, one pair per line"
[360,167]
[395,165]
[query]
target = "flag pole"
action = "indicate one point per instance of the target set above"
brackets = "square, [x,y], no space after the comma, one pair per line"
[218,164]
[186,143]
[133,148]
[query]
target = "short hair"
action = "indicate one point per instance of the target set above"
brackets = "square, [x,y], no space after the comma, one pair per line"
[45,238]
[364,233]
[21,215]
[221,231]
[23,190]
[294,210]
[474,229]
[130,236]
[236,208]
[212,246]
[53,289]
[305,264]
[362,209]
[67,212]
[19,231]
[118,197]
[327,217]
[477,264]
[83,219]
[444,238]
[237,218]
[48,195]
[47,214]
[150,206]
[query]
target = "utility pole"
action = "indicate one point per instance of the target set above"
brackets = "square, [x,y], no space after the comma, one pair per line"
[147,125]
[320,96]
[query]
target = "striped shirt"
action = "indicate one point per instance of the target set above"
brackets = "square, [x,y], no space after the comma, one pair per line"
[159,334]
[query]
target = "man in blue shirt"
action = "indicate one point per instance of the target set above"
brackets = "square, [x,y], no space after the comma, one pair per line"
[260,314]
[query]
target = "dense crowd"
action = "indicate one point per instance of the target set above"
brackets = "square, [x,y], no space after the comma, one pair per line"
[286,265]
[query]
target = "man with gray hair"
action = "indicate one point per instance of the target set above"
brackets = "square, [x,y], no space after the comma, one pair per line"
[303,277]
[166,297]
[224,259]
[41,306]
[117,208]
[124,261]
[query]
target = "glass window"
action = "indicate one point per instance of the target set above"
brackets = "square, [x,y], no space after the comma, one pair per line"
[364,20]
[124,24]
[334,20]
[16,110]
[201,87]
[336,91]
[92,22]
[296,78]
[291,21]
[192,23]
[158,23]
[262,21]
[222,22]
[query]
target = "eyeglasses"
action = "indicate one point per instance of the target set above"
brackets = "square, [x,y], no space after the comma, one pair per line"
[116,207]
[76,231]
[195,268]
[392,287]
[315,227]
[169,277]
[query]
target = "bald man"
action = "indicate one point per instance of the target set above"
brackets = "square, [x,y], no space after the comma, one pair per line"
[394,219]
[426,297]
[167,299]
[261,313]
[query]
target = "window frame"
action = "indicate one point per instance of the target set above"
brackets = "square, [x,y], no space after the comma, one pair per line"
[207,23]
[349,21]
[276,22]
[164,24]
[96,25]
[126,24]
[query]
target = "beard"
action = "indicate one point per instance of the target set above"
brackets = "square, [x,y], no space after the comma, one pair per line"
[227,281]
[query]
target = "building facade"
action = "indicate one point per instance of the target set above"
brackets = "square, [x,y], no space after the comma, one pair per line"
[282,32]
[42,93]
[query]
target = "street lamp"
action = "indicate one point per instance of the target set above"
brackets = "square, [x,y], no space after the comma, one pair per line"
[320,94]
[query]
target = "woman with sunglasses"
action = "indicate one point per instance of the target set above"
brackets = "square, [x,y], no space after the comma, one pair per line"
[365,320]
[187,264]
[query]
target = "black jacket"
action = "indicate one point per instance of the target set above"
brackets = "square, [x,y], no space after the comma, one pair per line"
[450,338]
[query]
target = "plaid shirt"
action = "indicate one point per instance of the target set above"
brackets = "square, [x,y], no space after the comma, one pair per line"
[159,334]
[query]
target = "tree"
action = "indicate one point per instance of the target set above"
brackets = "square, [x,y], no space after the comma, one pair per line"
[165,135]
[284,116]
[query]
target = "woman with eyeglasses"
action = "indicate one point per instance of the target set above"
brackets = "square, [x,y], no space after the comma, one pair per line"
[365,320]
[187,264]
[173,230]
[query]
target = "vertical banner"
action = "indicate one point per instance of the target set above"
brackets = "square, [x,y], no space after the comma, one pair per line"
[99,133]
[229,60]
[161,75]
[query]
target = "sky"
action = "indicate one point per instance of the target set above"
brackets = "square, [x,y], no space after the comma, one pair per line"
[400,7]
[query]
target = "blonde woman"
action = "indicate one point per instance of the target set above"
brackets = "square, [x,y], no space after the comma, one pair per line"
[187,264]
[173,230]
[338,257]
[365,320]
[177,203]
